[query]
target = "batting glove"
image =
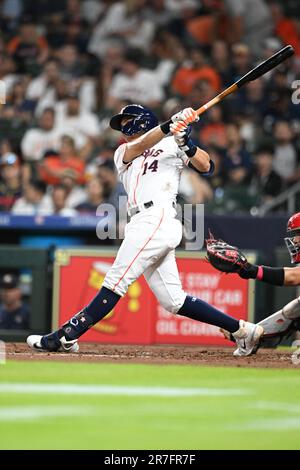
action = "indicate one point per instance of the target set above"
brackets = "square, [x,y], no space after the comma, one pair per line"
[187,115]
[181,134]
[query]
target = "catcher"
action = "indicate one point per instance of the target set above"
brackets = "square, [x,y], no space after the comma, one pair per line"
[230,259]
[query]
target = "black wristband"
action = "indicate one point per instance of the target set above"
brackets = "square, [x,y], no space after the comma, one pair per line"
[165,126]
[274,276]
[191,151]
[249,271]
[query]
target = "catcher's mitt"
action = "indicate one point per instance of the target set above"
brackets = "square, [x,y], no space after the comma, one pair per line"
[226,258]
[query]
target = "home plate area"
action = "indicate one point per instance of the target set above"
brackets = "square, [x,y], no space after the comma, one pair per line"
[158,354]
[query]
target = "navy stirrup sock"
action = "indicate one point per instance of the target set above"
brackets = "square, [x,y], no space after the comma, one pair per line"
[97,309]
[198,310]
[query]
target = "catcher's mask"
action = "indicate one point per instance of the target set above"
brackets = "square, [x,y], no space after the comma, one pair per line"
[293,238]
[143,120]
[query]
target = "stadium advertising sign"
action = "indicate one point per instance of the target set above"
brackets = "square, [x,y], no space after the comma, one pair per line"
[138,318]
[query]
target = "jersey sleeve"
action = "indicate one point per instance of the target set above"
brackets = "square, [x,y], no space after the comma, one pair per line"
[118,159]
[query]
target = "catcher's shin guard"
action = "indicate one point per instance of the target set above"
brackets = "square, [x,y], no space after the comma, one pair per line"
[278,326]
[281,324]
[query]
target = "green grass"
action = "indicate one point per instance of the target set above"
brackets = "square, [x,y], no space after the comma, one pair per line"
[265,416]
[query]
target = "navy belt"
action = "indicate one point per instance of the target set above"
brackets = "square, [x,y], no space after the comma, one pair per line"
[136,210]
[146,205]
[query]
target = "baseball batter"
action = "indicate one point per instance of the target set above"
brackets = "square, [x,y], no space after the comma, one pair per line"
[149,165]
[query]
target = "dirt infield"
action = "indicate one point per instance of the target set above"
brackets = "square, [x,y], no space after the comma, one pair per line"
[158,354]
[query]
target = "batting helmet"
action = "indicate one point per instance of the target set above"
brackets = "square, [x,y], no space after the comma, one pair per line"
[143,120]
[293,239]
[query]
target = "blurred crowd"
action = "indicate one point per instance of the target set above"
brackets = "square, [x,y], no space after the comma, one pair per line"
[68,65]
[14,311]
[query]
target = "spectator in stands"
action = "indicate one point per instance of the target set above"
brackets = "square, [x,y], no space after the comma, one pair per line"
[235,170]
[241,57]
[73,11]
[74,35]
[179,6]
[14,314]
[157,13]
[287,29]
[194,70]
[217,179]
[110,65]
[8,71]
[79,124]
[149,54]
[213,131]
[164,51]
[123,22]
[92,10]
[235,197]
[17,106]
[218,202]
[237,160]
[59,200]
[183,14]
[53,97]
[10,11]
[53,167]
[34,201]
[113,190]
[5,147]
[76,194]
[250,22]
[265,183]
[221,60]
[41,11]
[280,103]
[28,49]
[193,189]
[71,66]
[201,93]
[95,197]
[45,82]
[285,155]
[41,139]
[10,183]
[135,84]
[252,100]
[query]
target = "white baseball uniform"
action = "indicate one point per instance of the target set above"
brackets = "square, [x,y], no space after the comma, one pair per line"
[153,233]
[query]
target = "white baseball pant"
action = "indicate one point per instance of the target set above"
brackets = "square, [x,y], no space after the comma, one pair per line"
[148,248]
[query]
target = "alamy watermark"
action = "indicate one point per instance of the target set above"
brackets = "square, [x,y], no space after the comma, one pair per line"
[296,354]
[2,353]
[296,92]
[112,221]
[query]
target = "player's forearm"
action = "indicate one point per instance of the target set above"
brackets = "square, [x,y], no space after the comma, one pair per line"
[275,276]
[138,146]
[291,276]
[201,161]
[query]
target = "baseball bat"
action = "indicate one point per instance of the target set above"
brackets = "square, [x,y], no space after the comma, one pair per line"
[258,71]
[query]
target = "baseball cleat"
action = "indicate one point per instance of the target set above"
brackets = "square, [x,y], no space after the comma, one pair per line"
[247,338]
[35,342]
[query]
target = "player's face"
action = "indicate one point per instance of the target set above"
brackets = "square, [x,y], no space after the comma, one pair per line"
[125,120]
[296,240]
[129,138]
[10,296]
